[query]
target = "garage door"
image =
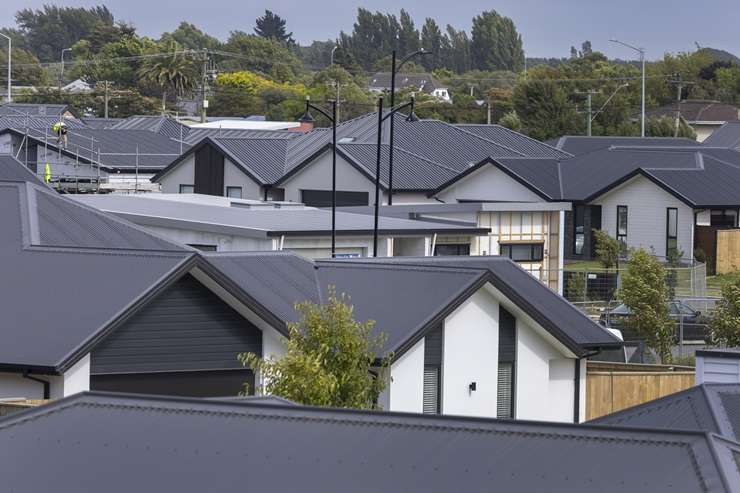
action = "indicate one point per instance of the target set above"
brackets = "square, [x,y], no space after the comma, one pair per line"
[218,383]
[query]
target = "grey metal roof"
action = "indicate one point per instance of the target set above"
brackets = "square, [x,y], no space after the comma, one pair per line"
[41,123]
[514,140]
[728,135]
[697,111]
[195,135]
[260,222]
[581,144]
[13,170]
[408,296]
[150,443]
[707,407]
[72,270]
[163,125]
[32,109]
[96,122]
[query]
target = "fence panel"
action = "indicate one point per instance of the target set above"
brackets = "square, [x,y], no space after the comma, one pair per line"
[728,250]
[611,391]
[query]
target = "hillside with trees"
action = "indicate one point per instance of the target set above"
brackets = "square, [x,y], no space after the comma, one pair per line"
[260,69]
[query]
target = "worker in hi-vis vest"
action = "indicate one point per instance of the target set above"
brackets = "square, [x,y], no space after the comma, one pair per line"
[60,129]
[47,173]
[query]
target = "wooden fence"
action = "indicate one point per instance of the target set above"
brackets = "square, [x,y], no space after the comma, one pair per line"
[612,387]
[728,250]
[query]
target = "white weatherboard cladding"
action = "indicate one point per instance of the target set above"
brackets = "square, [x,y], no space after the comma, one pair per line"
[407,381]
[77,378]
[646,215]
[544,378]
[317,176]
[488,184]
[182,174]
[712,369]
[471,355]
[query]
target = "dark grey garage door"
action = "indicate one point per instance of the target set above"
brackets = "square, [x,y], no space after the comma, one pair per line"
[190,383]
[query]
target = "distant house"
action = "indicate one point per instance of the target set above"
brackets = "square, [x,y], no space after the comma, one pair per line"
[421,82]
[78,86]
[703,116]
[475,336]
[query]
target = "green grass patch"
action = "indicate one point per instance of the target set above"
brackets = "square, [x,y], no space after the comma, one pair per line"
[716,283]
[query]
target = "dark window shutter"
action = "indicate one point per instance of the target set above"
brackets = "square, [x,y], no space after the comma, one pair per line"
[506,363]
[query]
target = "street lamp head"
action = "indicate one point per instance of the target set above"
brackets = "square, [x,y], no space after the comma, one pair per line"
[412,115]
[306,117]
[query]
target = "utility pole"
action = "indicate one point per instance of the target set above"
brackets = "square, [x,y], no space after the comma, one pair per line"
[679,83]
[589,111]
[488,110]
[204,82]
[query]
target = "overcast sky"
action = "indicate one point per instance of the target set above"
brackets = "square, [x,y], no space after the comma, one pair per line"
[548,27]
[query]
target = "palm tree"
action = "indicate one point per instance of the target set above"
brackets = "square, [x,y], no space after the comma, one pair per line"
[174,72]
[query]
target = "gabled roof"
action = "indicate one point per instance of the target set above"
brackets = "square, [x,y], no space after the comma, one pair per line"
[707,407]
[514,140]
[699,111]
[408,296]
[162,125]
[154,443]
[728,135]
[72,269]
[581,144]
[39,123]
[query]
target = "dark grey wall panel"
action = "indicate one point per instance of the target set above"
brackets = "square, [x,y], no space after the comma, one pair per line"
[209,171]
[506,335]
[218,383]
[187,327]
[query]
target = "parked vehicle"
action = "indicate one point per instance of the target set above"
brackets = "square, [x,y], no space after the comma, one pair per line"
[694,323]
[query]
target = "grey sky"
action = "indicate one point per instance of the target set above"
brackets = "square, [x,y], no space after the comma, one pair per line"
[548,27]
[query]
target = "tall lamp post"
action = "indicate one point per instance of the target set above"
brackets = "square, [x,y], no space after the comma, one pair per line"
[306,117]
[394,69]
[10,49]
[381,118]
[641,51]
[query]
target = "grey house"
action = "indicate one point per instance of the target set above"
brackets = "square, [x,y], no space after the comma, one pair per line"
[139,443]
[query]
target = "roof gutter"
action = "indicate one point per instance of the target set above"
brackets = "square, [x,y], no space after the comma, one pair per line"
[577,387]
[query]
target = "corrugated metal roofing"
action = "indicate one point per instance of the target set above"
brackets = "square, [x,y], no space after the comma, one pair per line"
[581,144]
[707,407]
[514,140]
[728,135]
[13,170]
[142,443]
[263,157]
[32,109]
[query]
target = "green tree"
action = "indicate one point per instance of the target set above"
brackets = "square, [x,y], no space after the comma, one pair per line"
[607,249]
[408,35]
[260,54]
[330,360]
[456,50]
[174,73]
[666,127]
[544,109]
[53,28]
[645,292]
[495,43]
[511,121]
[725,323]
[432,41]
[272,26]
[190,37]
[26,69]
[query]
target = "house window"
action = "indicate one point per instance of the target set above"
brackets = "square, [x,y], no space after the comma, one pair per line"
[433,371]
[522,252]
[579,236]
[622,224]
[234,192]
[723,218]
[506,364]
[187,188]
[671,230]
[448,249]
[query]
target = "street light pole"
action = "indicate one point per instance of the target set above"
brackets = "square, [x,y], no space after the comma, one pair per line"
[641,51]
[308,118]
[392,111]
[395,69]
[10,50]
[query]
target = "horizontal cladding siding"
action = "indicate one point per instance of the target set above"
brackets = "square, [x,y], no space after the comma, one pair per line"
[185,328]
